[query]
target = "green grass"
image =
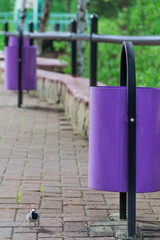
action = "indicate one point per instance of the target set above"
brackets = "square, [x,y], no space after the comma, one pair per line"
[41,188]
[19,197]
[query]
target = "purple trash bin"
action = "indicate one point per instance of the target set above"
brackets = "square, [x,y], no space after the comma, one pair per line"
[13,41]
[28,65]
[108,139]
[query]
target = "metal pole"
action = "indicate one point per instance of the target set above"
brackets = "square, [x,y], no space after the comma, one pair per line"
[123,204]
[131,141]
[6,38]
[20,44]
[74,49]
[31,31]
[115,39]
[123,195]
[128,70]
[93,51]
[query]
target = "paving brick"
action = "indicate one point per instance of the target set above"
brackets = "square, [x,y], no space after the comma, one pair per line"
[75,227]
[151,238]
[50,235]
[152,234]
[101,231]
[30,199]
[51,204]
[5,233]
[45,160]
[24,236]
[97,213]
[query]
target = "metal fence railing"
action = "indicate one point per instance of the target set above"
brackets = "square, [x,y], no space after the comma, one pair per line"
[94,38]
[115,39]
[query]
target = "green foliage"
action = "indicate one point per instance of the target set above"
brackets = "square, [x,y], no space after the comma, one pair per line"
[61,6]
[147,66]
[109,8]
[11,28]
[134,18]
[140,19]
[108,55]
[64,51]
[60,46]
[6,6]
[41,187]
[1,42]
[19,197]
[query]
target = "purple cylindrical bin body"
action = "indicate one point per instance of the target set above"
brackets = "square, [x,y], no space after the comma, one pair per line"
[28,65]
[108,139]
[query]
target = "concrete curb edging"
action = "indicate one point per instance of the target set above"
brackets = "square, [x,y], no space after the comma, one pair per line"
[70,92]
[76,110]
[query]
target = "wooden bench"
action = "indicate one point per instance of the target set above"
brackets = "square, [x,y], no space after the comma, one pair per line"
[51,64]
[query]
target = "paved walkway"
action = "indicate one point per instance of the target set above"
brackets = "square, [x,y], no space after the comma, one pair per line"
[43,165]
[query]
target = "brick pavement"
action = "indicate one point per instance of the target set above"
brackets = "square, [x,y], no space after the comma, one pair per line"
[43,165]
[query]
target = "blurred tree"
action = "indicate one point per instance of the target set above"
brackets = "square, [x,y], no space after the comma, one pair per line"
[82,12]
[45,15]
[43,22]
[22,15]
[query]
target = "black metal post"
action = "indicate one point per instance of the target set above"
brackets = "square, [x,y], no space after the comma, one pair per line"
[20,44]
[93,51]
[6,28]
[128,72]
[74,49]
[123,195]
[31,26]
[123,204]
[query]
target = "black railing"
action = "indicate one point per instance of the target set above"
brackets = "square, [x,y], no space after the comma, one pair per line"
[94,38]
[74,49]
[116,39]
[128,78]
[93,52]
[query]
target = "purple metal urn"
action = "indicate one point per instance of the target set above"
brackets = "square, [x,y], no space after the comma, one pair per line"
[108,139]
[28,65]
